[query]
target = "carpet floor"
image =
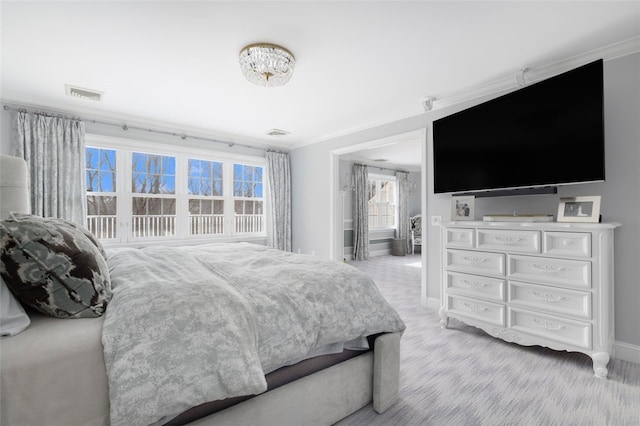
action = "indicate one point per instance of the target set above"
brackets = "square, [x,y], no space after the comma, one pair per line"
[462,376]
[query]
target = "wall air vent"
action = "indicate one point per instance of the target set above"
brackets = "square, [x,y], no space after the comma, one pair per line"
[79,92]
[277,132]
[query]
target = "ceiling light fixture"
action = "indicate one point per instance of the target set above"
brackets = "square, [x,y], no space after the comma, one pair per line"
[267,64]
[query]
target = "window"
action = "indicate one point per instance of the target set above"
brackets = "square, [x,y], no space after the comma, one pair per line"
[153,205]
[247,196]
[382,202]
[180,194]
[100,172]
[206,201]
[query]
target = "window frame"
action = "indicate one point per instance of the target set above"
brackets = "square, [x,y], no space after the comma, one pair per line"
[124,149]
[384,178]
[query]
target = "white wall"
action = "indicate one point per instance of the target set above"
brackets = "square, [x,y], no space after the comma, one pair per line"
[620,193]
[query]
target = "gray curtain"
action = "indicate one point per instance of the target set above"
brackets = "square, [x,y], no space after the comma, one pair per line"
[402,181]
[279,224]
[54,149]
[360,212]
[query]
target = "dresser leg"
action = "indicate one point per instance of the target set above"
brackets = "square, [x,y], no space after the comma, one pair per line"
[444,320]
[600,361]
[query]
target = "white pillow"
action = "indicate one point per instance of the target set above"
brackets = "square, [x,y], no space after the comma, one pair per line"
[13,318]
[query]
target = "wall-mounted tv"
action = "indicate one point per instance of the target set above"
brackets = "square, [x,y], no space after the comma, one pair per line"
[546,134]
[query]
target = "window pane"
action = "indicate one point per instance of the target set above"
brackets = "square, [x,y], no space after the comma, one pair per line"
[207,206]
[194,186]
[154,206]
[108,206]
[153,174]
[208,218]
[139,206]
[218,207]
[92,205]
[194,206]
[205,177]
[92,158]
[168,206]
[152,217]
[107,182]
[238,189]
[167,185]
[100,172]
[248,207]
[101,216]
[108,160]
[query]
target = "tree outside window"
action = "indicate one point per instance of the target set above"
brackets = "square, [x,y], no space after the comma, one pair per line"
[248,198]
[206,203]
[100,175]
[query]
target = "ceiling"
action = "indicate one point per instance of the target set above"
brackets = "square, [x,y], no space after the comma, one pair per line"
[174,65]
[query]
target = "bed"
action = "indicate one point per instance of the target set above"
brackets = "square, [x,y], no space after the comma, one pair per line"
[156,355]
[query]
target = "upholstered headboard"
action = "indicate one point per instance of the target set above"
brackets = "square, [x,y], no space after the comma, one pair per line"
[14,186]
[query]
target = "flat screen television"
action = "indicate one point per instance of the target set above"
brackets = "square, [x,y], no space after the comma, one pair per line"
[549,133]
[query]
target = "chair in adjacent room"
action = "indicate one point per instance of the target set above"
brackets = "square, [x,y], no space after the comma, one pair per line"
[416,232]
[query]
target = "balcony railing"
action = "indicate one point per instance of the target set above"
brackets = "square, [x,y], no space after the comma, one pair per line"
[145,226]
[103,227]
[249,223]
[206,224]
[153,226]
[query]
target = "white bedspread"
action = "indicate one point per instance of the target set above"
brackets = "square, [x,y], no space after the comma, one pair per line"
[193,324]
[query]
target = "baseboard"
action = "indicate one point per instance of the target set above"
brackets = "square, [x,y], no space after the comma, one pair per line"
[627,352]
[432,303]
[376,253]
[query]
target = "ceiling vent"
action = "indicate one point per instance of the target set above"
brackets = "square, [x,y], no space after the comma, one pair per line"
[381,160]
[79,92]
[277,132]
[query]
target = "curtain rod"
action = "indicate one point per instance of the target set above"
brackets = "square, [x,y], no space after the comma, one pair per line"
[125,127]
[382,168]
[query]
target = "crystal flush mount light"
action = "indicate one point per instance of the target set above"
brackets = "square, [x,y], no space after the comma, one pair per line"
[267,64]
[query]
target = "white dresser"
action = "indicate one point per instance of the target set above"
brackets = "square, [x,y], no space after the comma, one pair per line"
[547,284]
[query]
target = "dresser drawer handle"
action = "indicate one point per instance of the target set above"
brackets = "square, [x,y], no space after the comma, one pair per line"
[547,297]
[475,284]
[546,269]
[475,308]
[507,240]
[569,242]
[476,260]
[546,324]
[459,236]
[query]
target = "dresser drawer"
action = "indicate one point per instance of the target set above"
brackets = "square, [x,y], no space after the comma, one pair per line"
[473,308]
[474,261]
[550,299]
[476,286]
[508,240]
[459,237]
[576,244]
[562,272]
[561,330]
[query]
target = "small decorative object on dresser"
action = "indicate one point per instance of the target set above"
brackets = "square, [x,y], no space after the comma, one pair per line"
[547,284]
[463,207]
[579,209]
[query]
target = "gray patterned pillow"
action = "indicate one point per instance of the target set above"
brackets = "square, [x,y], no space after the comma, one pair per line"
[54,266]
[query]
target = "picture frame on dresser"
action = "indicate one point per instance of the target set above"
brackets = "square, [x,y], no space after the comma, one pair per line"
[584,209]
[463,207]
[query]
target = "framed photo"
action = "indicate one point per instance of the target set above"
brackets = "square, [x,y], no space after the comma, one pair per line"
[579,209]
[463,208]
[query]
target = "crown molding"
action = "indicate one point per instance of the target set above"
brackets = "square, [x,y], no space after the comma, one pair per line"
[497,86]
